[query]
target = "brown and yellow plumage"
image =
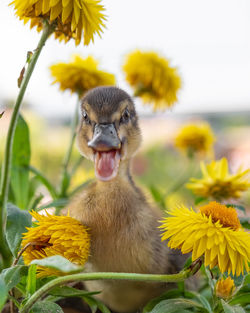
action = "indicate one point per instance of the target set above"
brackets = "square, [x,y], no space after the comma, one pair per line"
[123,226]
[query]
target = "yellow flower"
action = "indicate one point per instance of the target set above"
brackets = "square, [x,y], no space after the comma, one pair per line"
[152,78]
[218,183]
[224,288]
[195,138]
[214,232]
[80,75]
[56,235]
[70,17]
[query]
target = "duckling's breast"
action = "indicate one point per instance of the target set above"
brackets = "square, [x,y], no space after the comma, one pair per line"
[123,228]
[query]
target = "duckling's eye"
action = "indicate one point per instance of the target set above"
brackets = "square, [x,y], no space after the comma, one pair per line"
[125,116]
[85,117]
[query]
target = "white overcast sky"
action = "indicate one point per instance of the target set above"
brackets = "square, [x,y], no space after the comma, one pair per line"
[208,40]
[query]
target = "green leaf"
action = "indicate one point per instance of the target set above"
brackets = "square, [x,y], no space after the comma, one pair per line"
[166,295]
[46,307]
[171,294]
[176,305]
[3,293]
[20,162]
[241,299]
[245,222]
[34,202]
[56,203]
[66,291]
[1,114]
[199,200]
[12,275]
[65,184]
[34,184]
[58,262]
[44,180]
[211,281]
[231,309]
[158,196]
[188,262]
[181,286]
[91,303]
[246,280]
[236,206]
[31,280]
[95,304]
[29,56]
[202,300]
[241,208]
[15,301]
[244,287]
[17,221]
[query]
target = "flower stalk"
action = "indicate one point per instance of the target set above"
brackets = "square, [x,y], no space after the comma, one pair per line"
[66,161]
[35,243]
[5,179]
[108,276]
[182,179]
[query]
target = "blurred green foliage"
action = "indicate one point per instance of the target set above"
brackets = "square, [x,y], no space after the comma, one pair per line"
[159,168]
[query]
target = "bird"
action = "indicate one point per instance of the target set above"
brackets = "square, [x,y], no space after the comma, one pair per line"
[123,225]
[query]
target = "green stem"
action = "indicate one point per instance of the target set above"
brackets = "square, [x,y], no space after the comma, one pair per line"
[45,181]
[183,178]
[5,179]
[76,165]
[107,276]
[66,161]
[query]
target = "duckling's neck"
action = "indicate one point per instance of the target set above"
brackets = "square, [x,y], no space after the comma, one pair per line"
[122,185]
[123,175]
[112,204]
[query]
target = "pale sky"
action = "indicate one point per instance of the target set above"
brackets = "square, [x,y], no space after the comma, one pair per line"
[208,40]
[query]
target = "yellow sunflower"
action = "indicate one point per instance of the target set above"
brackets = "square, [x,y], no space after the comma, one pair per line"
[214,232]
[70,17]
[224,288]
[56,235]
[195,138]
[218,183]
[80,75]
[152,78]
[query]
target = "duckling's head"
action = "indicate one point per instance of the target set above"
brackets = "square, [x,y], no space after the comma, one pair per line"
[109,133]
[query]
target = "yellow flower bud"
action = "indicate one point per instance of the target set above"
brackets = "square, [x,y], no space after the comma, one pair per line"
[224,288]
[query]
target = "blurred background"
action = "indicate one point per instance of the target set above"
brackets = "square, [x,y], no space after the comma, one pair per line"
[209,43]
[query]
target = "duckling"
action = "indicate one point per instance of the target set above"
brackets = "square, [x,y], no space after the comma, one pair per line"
[123,225]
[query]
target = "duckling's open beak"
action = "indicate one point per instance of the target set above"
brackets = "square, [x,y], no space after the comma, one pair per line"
[107,145]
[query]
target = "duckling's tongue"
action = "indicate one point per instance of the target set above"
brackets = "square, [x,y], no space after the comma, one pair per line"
[106,164]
